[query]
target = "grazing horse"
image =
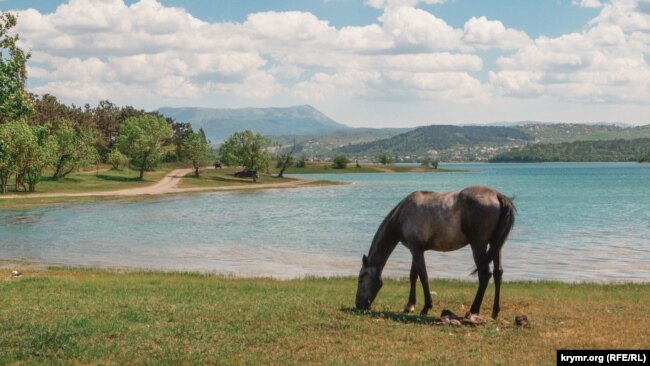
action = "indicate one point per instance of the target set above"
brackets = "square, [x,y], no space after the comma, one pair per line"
[477,215]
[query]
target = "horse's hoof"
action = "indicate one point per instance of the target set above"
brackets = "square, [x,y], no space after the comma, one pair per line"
[425,310]
[409,308]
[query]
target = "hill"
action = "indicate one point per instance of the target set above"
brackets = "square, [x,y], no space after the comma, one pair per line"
[567,132]
[445,139]
[322,145]
[605,150]
[221,123]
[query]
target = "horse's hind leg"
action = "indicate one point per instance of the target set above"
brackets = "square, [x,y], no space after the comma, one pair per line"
[410,306]
[483,267]
[498,274]
[420,265]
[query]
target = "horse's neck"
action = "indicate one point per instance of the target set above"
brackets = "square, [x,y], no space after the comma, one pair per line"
[382,247]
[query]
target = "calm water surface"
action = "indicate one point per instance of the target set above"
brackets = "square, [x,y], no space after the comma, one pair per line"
[576,222]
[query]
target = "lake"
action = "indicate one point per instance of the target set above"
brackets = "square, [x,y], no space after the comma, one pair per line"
[575,222]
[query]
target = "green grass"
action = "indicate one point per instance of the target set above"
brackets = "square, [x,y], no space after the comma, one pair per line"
[92,181]
[225,178]
[85,316]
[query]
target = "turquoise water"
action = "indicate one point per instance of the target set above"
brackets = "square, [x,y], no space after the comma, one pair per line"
[576,222]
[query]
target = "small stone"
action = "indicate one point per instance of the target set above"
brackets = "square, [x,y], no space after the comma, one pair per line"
[455,322]
[15,274]
[522,321]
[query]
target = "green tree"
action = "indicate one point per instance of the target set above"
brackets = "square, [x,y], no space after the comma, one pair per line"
[117,159]
[25,152]
[247,149]
[74,149]
[142,138]
[384,159]
[340,162]
[7,160]
[14,100]
[285,159]
[196,149]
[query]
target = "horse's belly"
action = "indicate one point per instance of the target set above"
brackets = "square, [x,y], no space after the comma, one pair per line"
[448,243]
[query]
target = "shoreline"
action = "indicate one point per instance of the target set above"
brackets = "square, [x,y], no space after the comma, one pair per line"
[35,267]
[168,185]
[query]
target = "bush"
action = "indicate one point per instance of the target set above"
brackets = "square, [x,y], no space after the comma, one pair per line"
[302,161]
[385,159]
[340,162]
[117,159]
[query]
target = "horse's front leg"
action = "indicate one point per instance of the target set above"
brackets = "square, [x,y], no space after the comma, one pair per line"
[421,267]
[410,306]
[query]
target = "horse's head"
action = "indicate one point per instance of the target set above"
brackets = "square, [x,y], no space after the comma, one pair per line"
[369,284]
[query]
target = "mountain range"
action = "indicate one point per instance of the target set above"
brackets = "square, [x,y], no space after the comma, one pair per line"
[219,123]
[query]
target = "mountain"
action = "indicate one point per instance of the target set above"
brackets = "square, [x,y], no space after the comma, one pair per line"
[218,124]
[439,137]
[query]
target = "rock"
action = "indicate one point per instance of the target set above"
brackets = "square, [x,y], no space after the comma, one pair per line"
[522,321]
[455,322]
[473,319]
[450,314]
[15,274]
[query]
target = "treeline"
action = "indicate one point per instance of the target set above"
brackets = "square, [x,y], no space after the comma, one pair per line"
[589,151]
[59,139]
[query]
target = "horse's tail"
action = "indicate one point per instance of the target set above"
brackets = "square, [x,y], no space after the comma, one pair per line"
[504,226]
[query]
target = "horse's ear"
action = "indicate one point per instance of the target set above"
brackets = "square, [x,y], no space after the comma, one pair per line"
[364,260]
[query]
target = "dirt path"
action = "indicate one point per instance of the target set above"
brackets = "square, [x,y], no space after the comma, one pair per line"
[168,184]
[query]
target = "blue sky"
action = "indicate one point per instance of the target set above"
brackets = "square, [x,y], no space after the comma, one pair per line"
[374,63]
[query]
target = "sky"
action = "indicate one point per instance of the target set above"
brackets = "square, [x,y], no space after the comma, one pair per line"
[364,63]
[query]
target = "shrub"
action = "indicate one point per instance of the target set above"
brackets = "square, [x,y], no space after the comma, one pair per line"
[117,159]
[340,162]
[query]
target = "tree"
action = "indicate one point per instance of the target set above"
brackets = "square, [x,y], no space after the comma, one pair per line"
[247,149]
[141,138]
[340,162]
[285,159]
[74,149]
[117,159]
[14,101]
[385,159]
[7,161]
[196,149]
[25,152]
[302,161]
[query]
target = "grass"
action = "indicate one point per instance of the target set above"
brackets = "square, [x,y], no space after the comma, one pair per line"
[225,178]
[88,316]
[96,181]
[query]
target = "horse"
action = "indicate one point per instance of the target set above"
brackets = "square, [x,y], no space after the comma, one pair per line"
[478,215]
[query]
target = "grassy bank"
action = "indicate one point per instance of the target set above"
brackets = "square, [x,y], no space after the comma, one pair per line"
[225,178]
[76,316]
[97,181]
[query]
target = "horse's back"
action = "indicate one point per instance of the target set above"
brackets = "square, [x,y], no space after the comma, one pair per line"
[446,221]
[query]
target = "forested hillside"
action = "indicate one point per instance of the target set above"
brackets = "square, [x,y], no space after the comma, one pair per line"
[606,150]
[438,137]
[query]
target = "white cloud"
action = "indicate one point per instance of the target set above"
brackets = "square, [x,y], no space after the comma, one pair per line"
[485,33]
[604,64]
[149,54]
[587,3]
[380,4]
